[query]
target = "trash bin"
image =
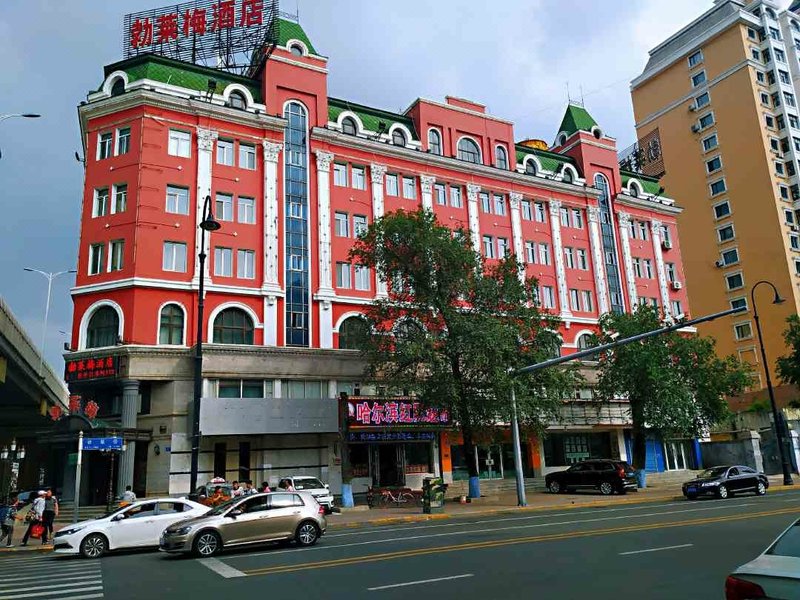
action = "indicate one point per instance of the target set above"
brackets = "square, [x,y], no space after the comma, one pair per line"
[433,491]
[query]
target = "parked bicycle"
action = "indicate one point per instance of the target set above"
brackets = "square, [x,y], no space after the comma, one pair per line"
[385,497]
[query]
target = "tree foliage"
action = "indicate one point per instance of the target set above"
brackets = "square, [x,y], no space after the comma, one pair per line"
[789,365]
[452,326]
[675,383]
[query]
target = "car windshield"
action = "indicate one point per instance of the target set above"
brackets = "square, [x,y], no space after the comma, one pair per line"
[788,544]
[308,484]
[221,508]
[113,512]
[712,472]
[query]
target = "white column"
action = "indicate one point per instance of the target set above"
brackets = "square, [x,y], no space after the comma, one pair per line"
[655,234]
[130,407]
[426,182]
[472,212]
[205,154]
[558,255]
[624,237]
[270,286]
[377,174]
[593,213]
[325,292]
[514,200]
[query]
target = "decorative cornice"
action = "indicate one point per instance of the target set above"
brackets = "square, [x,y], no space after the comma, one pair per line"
[271,151]
[647,204]
[377,172]
[656,225]
[206,139]
[324,160]
[624,219]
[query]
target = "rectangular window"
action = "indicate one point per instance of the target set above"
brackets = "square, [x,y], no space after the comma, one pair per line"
[96,259]
[695,58]
[362,278]
[358,176]
[794,241]
[544,254]
[540,214]
[247,210]
[180,143]
[642,230]
[718,187]
[500,205]
[104,141]
[784,77]
[577,218]
[100,205]
[789,99]
[583,261]
[730,257]
[409,188]
[564,215]
[751,33]
[486,203]
[502,247]
[339,175]
[296,262]
[779,168]
[702,100]
[123,140]
[223,262]
[225,152]
[441,194]
[710,142]
[548,297]
[246,264]
[587,300]
[343,275]
[755,54]
[174,258]
[120,199]
[783,192]
[569,258]
[774,33]
[116,252]
[797,266]
[360,225]
[734,281]
[699,79]
[769,121]
[760,76]
[637,267]
[391,185]
[764,99]
[707,120]
[739,303]
[488,246]
[743,331]
[177,200]
[794,122]
[677,308]
[713,165]
[527,211]
[455,196]
[530,252]
[726,233]
[574,300]
[670,268]
[788,217]
[224,207]
[648,268]
[776,99]
[341,224]
[780,55]
[247,156]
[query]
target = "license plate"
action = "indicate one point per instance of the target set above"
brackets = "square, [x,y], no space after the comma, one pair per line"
[691,490]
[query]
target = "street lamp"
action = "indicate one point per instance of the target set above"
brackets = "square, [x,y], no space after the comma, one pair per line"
[20,115]
[779,431]
[12,454]
[49,277]
[208,224]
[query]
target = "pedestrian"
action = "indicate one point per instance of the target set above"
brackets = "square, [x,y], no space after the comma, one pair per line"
[8,515]
[236,490]
[248,488]
[265,487]
[49,514]
[128,496]
[34,516]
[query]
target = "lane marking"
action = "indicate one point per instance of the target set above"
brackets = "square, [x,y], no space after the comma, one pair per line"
[476,531]
[49,586]
[5,580]
[52,567]
[510,542]
[53,593]
[656,549]
[397,585]
[220,568]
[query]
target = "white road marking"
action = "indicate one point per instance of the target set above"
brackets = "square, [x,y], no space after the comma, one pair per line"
[656,549]
[220,568]
[4,580]
[397,585]
[54,592]
[48,586]
[474,531]
[49,566]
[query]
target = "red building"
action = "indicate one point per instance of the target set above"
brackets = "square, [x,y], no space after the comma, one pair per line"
[294,176]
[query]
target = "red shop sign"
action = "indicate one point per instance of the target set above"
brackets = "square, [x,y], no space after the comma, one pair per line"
[396,412]
[91,368]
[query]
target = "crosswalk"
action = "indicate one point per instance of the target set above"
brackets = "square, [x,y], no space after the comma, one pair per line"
[27,576]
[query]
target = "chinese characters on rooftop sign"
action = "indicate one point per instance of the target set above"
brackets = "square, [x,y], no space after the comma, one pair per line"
[389,413]
[220,33]
[91,368]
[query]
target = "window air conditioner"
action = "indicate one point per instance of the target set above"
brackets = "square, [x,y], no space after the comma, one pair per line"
[666,244]
[695,128]
[719,264]
[676,285]
[692,108]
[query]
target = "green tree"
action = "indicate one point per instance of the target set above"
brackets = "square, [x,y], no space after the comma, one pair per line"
[789,365]
[675,383]
[452,326]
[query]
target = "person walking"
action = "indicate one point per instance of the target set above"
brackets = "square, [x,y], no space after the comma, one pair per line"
[128,496]
[34,516]
[49,515]
[8,515]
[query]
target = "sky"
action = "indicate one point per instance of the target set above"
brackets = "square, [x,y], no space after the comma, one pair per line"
[518,57]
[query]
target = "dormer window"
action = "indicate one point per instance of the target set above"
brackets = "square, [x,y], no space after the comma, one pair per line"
[468,150]
[434,142]
[530,167]
[119,87]
[398,138]
[349,126]
[237,100]
[296,50]
[501,158]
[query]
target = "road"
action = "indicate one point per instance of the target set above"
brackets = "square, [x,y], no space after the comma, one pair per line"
[669,550]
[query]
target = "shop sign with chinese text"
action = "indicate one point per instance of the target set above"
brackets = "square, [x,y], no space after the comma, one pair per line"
[399,412]
[84,369]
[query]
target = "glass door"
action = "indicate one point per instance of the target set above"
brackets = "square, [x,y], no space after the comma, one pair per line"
[675,454]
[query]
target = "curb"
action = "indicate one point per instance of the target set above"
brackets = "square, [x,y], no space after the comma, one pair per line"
[39,548]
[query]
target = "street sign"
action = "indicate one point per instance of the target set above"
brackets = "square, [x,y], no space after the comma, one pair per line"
[107,443]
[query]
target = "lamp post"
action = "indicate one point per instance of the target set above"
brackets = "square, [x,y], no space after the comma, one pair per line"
[208,224]
[49,277]
[779,431]
[12,454]
[21,116]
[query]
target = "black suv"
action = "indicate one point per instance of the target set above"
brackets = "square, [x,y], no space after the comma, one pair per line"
[608,476]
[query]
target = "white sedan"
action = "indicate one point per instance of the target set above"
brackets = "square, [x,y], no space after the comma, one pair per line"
[137,525]
[775,574]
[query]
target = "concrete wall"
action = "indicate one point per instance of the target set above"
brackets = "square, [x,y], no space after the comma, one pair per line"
[744,451]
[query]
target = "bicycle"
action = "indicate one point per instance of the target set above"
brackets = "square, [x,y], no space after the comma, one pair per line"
[385,497]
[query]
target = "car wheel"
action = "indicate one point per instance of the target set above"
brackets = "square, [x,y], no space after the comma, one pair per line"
[555,487]
[307,534]
[761,489]
[94,545]
[606,488]
[207,544]
[722,492]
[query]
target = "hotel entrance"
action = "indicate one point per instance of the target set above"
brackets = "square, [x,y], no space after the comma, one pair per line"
[388,462]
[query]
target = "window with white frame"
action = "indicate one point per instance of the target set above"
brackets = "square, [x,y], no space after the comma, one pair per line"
[247,210]
[636,263]
[440,193]
[717,187]
[96,259]
[577,218]
[177,200]
[501,157]
[358,177]
[544,254]
[488,246]
[502,247]
[180,143]
[409,188]
[100,204]
[647,267]
[713,165]
[349,126]
[677,308]
[643,232]
[530,252]
[341,222]
[547,296]
[734,281]
[695,58]
[582,259]
[120,202]
[730,257]
[743,331]
[702,100]
[794,241]
[797,266]
[569,258]
[339,175]
[225,152]
[698,79]
[574,300]
[738,302]
[296,262]
[391,185]
[726,233]
[706,120]
[362,278]
[564,216]
[710,142]
[223,207]
[670,268]
[587,300]
[486,202]
[455,196]
[104,141]
[343,275]
[539,213]
[500,205]
[722,210]
[526,210]
[223,262]
[174,257]
[435,142]
[247,156]
[123,140]
[788,217]
[468,150]
[360,225]
[116,254]
[246,264]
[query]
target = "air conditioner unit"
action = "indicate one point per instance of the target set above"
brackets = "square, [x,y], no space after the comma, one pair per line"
[794,228]
[695,128]
[666,244]
[692,108]
[719,264]
[676,285]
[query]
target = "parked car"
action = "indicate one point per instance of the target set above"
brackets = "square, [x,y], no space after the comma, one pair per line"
[774,574]
[725,481]
[271,517]
[608,476]
[312,485]
[133,526]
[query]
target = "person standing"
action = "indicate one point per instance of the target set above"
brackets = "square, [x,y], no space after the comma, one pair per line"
[128,496]
[8,515]
[34,516]
[236,490]
[49,515]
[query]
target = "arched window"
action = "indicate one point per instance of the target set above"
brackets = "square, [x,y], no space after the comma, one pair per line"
[501,157]
[530,167]
[352,332]
[233,326]
[237,100]
[398,138]
[584,341]
[468,150]
[770,13]
[566,175]
[103,329]
[119,87]
[634,189]
[170,330]
[296,50]
[435,142]
[349,126]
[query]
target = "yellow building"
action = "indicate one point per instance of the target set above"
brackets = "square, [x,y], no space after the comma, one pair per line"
[721,92]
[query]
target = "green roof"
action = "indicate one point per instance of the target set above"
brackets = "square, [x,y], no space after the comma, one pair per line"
[651,185]
[289,30]
[370,117]
[182,74]
[576,119]
[550,161]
